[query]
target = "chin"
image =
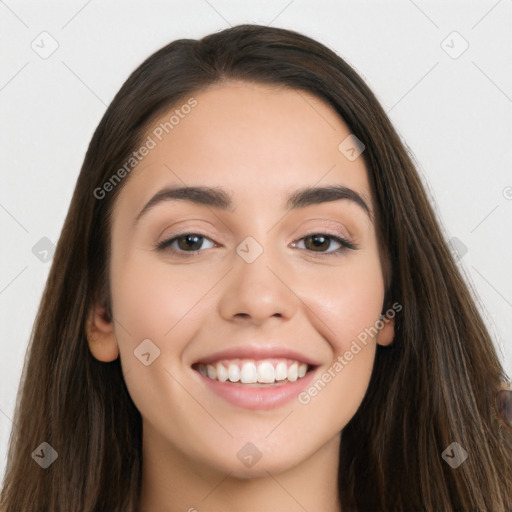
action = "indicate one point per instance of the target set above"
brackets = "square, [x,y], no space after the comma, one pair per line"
[247,462]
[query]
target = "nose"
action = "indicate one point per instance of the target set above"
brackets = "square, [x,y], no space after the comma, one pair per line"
[254,292]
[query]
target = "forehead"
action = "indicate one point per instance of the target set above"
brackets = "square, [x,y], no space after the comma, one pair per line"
[259,142]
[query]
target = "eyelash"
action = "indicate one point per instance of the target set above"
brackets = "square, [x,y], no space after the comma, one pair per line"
[345,244]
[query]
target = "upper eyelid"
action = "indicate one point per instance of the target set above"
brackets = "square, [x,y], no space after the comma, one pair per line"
[346,233]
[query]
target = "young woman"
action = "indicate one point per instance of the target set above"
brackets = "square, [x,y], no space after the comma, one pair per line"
[252,307]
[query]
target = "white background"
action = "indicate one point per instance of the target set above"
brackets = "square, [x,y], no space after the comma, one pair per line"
[455,114]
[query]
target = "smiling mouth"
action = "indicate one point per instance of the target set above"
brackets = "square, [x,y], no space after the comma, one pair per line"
[254,373]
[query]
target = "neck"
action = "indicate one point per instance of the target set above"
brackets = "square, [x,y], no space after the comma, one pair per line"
[171,482]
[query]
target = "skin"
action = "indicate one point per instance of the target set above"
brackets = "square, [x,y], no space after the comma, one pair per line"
[259,143]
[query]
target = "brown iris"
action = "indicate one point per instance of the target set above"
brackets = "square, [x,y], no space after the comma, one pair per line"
[318,241]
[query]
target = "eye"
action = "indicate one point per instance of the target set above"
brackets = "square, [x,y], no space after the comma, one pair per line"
[315,241]
[186,242]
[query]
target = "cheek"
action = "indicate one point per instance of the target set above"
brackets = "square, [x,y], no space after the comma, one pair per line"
[347,307]
[151,302]
[350,316]
[349,302]
[151,298]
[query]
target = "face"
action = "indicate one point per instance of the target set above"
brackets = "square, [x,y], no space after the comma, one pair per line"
[266,287]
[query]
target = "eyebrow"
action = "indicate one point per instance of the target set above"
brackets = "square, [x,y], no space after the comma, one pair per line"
[218,198]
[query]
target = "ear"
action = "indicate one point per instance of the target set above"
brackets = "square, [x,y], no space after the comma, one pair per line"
[100,334]
[387,333]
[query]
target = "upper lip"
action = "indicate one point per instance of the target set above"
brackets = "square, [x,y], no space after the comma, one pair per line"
[257,352]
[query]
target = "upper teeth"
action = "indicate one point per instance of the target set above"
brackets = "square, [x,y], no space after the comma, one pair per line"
[266,371]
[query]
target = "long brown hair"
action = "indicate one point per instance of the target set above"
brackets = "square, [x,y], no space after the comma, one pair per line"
[434,385]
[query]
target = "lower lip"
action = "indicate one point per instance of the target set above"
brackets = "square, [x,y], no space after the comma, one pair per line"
[258,398]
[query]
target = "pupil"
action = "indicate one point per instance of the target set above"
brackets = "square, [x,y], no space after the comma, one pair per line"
[191,240]
[316,238]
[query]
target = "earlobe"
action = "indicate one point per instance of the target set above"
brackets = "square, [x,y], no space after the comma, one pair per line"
[387,332]
[101,336]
